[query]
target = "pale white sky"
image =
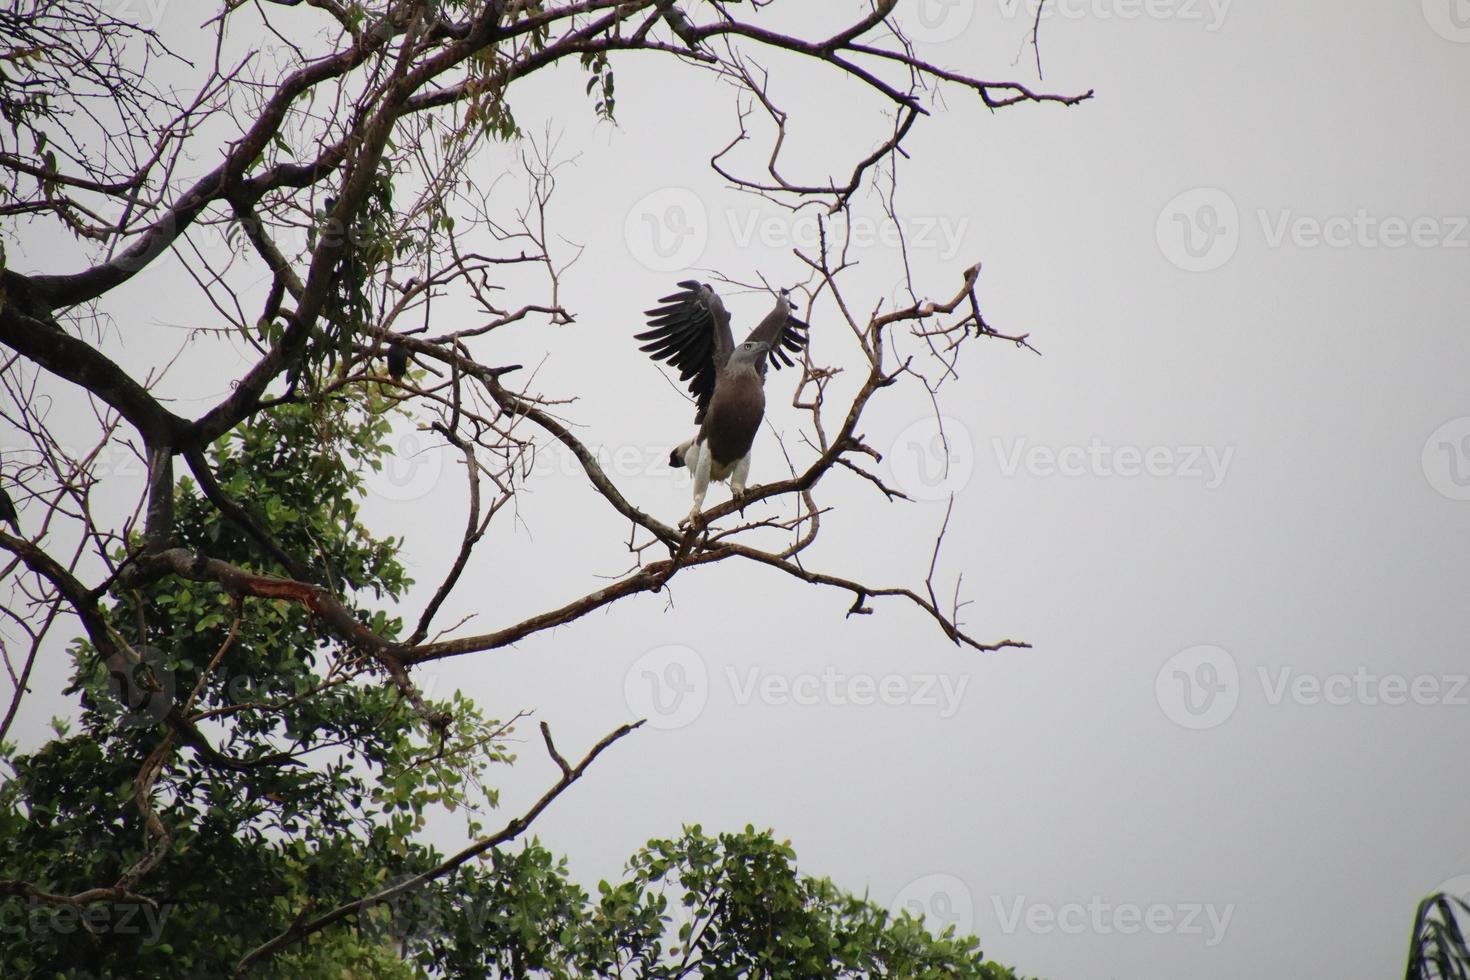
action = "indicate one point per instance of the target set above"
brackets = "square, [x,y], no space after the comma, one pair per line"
[1228,506]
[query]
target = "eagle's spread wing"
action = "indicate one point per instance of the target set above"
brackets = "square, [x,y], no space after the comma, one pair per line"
[691,331]
[784,332]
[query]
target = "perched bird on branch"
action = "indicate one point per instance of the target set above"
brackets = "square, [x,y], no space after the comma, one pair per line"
[679,23]
[8,514]
[397,360]
[691,331]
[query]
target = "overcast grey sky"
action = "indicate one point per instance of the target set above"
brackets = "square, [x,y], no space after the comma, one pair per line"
[1228,506]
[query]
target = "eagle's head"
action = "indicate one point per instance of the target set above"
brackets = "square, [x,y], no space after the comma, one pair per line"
[749,353]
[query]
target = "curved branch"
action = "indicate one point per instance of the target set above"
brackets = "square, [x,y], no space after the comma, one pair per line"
[512,830]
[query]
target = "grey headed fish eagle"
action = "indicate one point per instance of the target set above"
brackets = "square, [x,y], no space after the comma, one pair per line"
[691,331]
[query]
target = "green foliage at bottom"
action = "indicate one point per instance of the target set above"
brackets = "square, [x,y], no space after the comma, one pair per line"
[332,775]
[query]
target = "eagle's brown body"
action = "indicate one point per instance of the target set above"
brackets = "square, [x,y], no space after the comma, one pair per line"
[739,403]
